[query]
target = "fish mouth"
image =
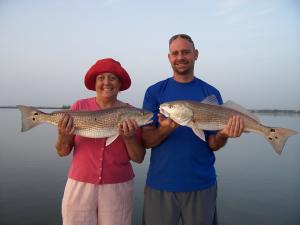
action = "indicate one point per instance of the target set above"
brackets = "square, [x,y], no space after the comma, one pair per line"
[149,116]
[148,121]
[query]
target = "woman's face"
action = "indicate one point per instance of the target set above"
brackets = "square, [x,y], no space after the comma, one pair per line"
[107,86]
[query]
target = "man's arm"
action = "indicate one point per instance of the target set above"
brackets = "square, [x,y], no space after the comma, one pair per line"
[153,136]
[234,128]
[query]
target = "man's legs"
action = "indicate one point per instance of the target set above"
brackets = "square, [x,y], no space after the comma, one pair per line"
[160,208]
[198,207]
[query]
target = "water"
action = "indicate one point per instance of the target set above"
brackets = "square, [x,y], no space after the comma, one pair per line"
[256,186]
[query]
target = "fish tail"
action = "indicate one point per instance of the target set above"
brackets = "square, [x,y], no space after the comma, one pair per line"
[278,136]
[29,117]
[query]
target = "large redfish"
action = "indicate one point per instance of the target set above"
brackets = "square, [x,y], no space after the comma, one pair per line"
[93,124]
[208,115]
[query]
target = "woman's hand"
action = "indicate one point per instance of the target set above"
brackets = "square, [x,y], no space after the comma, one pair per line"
[66,126]
[128,128]
[65,142]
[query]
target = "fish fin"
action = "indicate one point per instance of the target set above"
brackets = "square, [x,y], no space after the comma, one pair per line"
[239,108]
[278,136]
[111,139]
[211,100]
[197,130]
[29,117]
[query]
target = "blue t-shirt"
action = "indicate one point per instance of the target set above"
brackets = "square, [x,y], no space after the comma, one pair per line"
[182,162]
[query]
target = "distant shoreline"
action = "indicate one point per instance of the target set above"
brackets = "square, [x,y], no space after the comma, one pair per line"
[261,111]
[39,107]
[275,111]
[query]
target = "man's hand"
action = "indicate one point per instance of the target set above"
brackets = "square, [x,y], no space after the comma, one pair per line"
[234,127]
[166,122]
[153,136]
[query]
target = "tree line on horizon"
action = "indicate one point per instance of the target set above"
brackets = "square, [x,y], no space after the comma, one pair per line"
[274,111]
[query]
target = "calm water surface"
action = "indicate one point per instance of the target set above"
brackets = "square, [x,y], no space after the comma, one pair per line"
[256,186]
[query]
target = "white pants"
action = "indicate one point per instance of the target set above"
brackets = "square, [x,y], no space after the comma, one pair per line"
[90,204]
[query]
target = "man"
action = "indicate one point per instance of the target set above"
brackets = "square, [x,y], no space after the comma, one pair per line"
[181,181]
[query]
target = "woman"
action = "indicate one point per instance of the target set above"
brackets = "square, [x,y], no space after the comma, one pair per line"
[99,189]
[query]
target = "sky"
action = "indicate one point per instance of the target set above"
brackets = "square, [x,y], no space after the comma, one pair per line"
[248,49]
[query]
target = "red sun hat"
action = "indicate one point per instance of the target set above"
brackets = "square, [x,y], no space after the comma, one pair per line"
[107,65]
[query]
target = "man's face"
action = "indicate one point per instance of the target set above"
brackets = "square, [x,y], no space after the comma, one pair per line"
[182,56]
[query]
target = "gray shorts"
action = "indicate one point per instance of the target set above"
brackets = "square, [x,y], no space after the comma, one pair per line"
[167,208]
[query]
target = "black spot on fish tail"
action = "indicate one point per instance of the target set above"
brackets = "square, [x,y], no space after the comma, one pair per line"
[272,130]
[270,138]
[36,114]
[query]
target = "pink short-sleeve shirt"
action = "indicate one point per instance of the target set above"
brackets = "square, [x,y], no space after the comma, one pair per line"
[95,163]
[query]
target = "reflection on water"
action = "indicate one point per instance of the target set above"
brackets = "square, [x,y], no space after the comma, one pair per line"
[256,186]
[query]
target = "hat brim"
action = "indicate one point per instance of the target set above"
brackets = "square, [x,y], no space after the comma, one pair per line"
[107,66]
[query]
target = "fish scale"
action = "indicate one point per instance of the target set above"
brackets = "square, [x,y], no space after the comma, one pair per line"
[208,115]
[216,117]
[93,124]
